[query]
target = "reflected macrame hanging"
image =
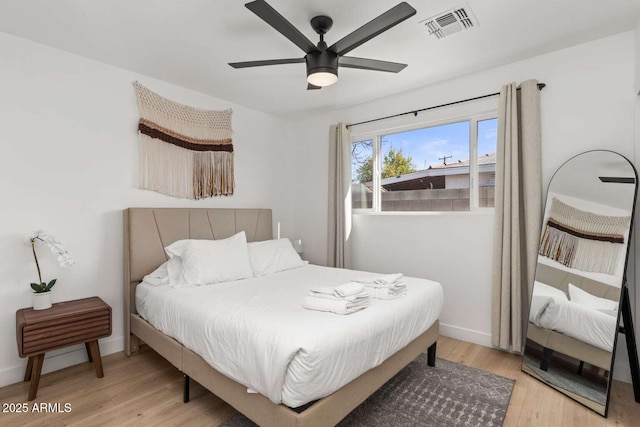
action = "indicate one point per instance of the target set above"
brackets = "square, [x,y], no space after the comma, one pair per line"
[583,240]
[184,151]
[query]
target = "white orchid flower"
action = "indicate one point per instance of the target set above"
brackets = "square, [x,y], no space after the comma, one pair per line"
[64,257]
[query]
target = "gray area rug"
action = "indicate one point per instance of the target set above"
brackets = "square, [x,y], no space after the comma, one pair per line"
[448,394]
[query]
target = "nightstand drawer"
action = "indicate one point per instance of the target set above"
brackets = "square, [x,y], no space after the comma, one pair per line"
[43,337]
[62,325]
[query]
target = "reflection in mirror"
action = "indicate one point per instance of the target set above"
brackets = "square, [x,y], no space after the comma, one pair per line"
[573,317]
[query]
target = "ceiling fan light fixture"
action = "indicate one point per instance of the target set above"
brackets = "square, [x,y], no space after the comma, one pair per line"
[322,68]
[322,78]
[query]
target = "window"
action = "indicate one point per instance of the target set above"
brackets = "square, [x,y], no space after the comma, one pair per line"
[362,174]
[445,167]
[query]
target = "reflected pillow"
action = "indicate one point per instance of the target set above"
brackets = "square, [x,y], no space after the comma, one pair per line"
[542,294]
[272,256]
[542,289]
[209,261]
[583,297]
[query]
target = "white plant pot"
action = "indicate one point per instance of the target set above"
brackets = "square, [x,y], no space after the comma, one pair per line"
[41,300]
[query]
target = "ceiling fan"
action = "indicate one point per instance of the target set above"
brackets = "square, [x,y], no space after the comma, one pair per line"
[322,61]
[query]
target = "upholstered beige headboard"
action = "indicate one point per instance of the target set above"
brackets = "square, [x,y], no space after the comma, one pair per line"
[561,279]
[148,230]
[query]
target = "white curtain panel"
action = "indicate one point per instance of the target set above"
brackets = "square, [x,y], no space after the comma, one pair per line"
[339,230]
[518,212]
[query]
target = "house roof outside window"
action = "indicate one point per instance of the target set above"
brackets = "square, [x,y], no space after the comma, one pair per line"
[433,176]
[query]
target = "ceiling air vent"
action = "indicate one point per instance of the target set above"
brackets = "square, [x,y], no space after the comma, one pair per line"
[450,22]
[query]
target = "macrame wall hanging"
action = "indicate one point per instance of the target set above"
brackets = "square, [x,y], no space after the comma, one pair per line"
[184,151]
[583,240]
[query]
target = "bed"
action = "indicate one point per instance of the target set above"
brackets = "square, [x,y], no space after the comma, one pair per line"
[148,231]
[570,328]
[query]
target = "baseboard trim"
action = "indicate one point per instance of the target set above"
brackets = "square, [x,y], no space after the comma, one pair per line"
[60,359]
[621,371]
[464,334]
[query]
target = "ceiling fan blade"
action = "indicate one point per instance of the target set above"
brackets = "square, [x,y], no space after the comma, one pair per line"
[280,24]
[382,23]
[266,62]
[313,87]
[370,64]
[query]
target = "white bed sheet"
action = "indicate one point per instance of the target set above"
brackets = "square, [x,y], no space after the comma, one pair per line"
[256,332]
[578,321]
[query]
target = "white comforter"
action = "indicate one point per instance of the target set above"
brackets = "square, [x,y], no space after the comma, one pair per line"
[256,332]
[575,320]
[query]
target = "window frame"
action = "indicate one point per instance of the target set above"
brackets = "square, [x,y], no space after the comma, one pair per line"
[376,137]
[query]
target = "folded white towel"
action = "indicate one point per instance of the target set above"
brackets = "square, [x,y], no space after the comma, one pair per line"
[348,289]
[337,306]
[351,298]
[388,293]
[389,286]
[384,280]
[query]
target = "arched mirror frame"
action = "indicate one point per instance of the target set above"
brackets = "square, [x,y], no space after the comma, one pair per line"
[623,298]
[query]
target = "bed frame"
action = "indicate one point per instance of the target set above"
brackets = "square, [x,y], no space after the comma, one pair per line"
[148,230]
[555,341]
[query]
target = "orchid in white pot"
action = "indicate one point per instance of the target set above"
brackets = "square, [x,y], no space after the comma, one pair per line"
[64,258]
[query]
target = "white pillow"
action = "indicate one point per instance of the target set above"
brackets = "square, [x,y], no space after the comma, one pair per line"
[174,268]
[167,274]
[544,290]
[271,256]
[210,261]
[583,297]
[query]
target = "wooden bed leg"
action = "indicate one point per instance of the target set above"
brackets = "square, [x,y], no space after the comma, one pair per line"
[546,358]
[186,388]
[580,367]
[134,344]
[431,355]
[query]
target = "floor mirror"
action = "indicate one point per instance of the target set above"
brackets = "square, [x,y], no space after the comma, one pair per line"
[580,277]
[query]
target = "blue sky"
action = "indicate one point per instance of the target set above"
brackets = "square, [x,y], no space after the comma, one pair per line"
[427,146]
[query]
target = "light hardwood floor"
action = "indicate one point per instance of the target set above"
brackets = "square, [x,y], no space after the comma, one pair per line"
[145,390]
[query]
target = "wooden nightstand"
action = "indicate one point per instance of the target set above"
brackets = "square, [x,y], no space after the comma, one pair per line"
[64,324]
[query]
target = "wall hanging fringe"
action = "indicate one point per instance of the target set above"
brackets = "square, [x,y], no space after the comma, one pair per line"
[184,151]
[583,240]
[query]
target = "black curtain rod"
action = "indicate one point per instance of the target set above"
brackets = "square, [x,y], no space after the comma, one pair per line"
[415,112]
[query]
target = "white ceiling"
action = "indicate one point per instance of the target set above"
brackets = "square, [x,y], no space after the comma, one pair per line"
[190,42]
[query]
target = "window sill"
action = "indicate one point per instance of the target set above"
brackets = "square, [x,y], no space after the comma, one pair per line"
[477,211]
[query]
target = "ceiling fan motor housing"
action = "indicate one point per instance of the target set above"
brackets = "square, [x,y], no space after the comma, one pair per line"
[325,61]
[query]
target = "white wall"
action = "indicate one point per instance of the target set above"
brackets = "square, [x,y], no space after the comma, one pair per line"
[588,104]
[637,56]
[68,165]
